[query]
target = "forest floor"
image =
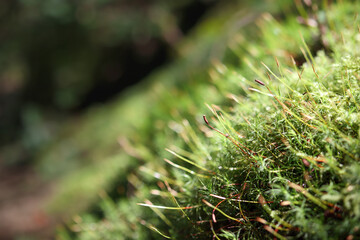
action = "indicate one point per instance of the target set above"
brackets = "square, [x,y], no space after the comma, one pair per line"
[23,198]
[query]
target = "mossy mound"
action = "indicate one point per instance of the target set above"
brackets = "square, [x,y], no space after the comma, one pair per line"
[277,152]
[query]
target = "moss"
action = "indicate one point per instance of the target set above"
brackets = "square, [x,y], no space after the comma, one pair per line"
[276,157]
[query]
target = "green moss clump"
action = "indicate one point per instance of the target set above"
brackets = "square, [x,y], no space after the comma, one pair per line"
[276,157]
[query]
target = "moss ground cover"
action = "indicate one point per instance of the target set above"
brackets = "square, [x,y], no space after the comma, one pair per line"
[273,153]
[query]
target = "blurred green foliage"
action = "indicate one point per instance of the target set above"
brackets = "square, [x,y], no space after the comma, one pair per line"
[57,57]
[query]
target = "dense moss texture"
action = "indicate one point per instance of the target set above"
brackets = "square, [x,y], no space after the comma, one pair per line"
[277,154]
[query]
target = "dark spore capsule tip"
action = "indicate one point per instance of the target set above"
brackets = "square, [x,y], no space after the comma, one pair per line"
[206,121]
[259,82]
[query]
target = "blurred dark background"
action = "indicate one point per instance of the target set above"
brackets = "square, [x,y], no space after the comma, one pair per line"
[59,57]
